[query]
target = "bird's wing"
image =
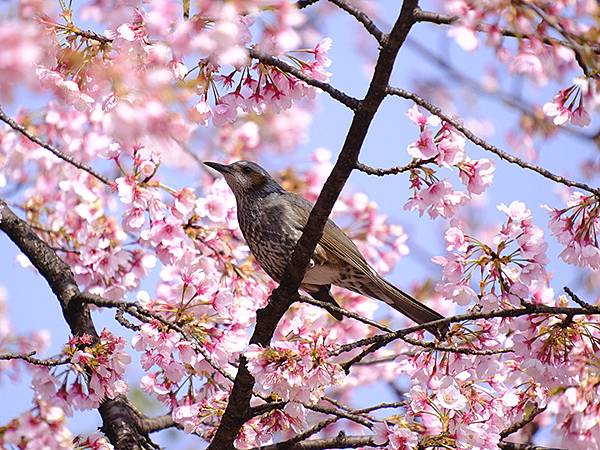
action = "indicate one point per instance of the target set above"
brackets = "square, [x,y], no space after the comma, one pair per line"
[333,242]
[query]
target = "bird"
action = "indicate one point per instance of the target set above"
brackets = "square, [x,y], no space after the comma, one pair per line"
[272,220]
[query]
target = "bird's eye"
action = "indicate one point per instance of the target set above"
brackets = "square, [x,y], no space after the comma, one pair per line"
[247,170]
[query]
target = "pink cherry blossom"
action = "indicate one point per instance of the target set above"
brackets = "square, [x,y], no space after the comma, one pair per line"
[477,174]
[449,395]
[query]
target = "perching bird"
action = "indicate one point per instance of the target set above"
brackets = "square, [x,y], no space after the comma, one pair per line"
[272,220]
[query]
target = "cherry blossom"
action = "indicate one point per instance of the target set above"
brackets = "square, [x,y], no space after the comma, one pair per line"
[299,371]
[575,227]
[508,266]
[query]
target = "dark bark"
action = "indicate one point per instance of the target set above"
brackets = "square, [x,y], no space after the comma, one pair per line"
[121,423]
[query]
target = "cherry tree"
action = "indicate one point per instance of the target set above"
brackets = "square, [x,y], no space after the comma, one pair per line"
[106,104]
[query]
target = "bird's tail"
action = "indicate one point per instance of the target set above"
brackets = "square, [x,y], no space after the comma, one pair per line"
[404,303]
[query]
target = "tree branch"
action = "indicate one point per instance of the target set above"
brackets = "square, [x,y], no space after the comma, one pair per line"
[266,319]
[304,3]
[144,315]
[331,308]
[340,441]
[414,164]
[575,46]
[56,152]
[527,418]
[514,446]
[448,349]
[121,421]
[487,146]
[442,19]
[507,98]
[380,340]
[362,18]
[38,362]
[577,300]
[336,94]
[154,424]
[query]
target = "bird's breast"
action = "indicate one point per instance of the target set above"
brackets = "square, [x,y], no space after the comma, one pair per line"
[269,235]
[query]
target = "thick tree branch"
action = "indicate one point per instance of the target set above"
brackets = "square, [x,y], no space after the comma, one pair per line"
[487,146]
[56,152]
[340,441]
[121,422]
[267,318]
[514,446]
[154,424]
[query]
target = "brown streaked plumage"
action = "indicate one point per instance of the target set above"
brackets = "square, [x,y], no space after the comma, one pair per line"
[272,220]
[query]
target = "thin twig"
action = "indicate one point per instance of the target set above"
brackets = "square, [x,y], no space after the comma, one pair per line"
[575,46]
[56,152]
[89,34]
[378,341]
[382,406]
[415,164]
[577,300]
[38,362]
[442,19]
[461,350]
[139,312]
[487,146]
[340,441]
[527,418]
[514,446]
[505,97]
[362,18]
[336,94]
[331,308]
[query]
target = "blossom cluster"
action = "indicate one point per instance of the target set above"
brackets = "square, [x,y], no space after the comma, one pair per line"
[43,427]
[507,267]
[576,227]
[447,149]
[535,57]
[568,106]
[95,372]
[298,370]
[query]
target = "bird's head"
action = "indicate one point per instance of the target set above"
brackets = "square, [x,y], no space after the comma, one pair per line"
[246,177]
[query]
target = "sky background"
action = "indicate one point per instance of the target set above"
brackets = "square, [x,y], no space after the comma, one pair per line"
[33,307]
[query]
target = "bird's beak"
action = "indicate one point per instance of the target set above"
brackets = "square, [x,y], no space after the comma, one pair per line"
[221,168]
